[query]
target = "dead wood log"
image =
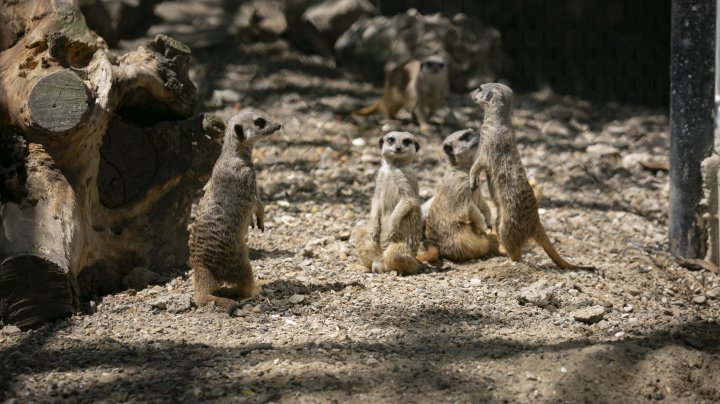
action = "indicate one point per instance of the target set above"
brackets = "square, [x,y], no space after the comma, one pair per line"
[109,159]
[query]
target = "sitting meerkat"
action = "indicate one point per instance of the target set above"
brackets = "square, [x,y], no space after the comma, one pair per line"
[517,207]
[218,253]
[458,218]
[391,240]
[420,86]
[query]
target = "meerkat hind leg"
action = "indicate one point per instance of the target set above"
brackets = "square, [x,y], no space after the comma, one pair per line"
[367,250]
[205,286]
[244,282]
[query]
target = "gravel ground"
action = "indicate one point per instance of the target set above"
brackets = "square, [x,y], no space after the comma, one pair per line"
[641,328]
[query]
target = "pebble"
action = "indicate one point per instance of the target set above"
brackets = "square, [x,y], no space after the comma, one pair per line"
[539,294]
[296,298]
[107,377]
[628,308]
[619,334]
[699,299]
[573,292]
[359,142]
[475,282]
[589,315]
[502,294]
[179,303]
[713,293]
[11,330]
[562,369]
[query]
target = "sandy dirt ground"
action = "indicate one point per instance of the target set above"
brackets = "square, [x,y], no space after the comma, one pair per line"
[322,331]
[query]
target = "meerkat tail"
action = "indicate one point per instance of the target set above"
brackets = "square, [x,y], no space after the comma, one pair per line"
[431,254]
[368,110]
[542,238]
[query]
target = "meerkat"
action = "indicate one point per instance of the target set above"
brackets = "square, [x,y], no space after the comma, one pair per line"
[391,240]
[517,218]
[218,253]
[419,86]
[458,219]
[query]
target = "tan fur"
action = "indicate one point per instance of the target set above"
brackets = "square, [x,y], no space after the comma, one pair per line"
[390,242]
[517,205]
[218,253]
[458,218]
[419,86]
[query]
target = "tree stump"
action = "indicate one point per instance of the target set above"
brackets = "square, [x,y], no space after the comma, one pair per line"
[99,161]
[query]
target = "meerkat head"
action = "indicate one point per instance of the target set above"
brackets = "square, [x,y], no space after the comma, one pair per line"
[399,147]
[461,148]
[493,94]
[433,65]
[248,127]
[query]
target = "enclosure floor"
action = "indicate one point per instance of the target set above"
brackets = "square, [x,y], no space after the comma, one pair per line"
[322,331]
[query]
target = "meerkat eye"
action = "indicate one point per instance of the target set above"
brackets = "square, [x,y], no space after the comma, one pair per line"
[391,140]
[407,142]
[465,137]
[260,123]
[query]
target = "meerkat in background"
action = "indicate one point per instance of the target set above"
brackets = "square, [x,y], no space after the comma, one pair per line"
[391,240]
[419,86]
[458,219]
[218,253]
[517,206]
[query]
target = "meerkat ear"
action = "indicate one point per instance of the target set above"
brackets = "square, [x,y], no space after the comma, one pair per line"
[239,131]
[417,146]
[380,143]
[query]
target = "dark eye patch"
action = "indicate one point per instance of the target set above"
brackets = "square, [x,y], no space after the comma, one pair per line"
[465,137]
[407,142]
[391,140]
[260,123]
[239,131]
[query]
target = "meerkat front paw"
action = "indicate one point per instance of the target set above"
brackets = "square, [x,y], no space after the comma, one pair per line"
[378,267]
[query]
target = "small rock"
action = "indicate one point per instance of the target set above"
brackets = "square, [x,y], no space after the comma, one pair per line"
[632,290]
[530,376]
[589,315]
[139,278]
[628,308]
[106,377]
[562,369]
[475,282]
[619,334]
[573,292]
[296,298]
[502,294]
[11,330]
[699,299]
[539,294]
[713,293]
[359,142]
[600,150]
[179,303]
[441,382]
[220,98]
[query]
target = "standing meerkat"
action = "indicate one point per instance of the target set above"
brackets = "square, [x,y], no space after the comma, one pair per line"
[517,207]
[218,253]
[458,218]
[420,86]
[391,240]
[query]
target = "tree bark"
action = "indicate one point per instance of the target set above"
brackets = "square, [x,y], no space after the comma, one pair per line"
[106,163]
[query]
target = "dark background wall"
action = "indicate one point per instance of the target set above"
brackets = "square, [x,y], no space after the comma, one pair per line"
[603,50]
